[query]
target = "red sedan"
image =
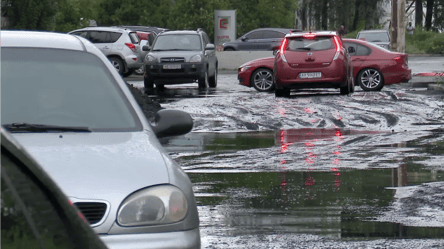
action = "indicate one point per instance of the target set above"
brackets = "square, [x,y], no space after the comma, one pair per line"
[258,74]
[374,66]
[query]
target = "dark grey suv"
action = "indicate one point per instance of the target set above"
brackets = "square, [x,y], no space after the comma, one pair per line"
[258,39]
[178,57]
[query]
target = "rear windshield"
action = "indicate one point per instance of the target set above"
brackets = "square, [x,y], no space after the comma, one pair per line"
[134,38]
[62,87]
[304,44]
[178,42]
[375,36]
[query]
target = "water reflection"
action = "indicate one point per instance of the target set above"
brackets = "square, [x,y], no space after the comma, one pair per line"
[321,195]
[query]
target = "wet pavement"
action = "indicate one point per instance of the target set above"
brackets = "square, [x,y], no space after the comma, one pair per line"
[316,170]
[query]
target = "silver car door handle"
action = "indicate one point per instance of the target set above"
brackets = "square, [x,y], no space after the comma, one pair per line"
[105,47]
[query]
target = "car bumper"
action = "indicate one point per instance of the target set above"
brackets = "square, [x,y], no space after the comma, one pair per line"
[400,76]
[180,240]
[133,62]
[189,72]
[244,77]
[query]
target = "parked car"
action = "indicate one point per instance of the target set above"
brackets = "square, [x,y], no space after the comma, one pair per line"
[378,37]
[120,45]
[374,66]
[258,74]
[35,213]
[178,57]
[258,39]
[312,60]
[83,125]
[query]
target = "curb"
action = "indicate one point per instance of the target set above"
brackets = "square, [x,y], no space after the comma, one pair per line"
[435,87]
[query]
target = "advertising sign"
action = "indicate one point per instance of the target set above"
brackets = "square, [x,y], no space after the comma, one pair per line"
[224,27]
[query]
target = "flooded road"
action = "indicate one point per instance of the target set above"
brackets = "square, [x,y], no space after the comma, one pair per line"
[316,170]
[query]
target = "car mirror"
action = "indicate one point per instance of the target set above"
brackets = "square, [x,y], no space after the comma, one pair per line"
[146,48]
[209,46]
[171,123]
[351,49]
[275,51]
[243,38]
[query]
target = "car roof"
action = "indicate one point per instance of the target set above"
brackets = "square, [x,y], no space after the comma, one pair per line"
[114,29]
[142,28]
[373,31]
[35,39]
[181,32]
[320,33]
[272,29]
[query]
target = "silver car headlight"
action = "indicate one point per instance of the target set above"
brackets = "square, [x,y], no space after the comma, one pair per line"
[150,58]
[152,206]
[196,58]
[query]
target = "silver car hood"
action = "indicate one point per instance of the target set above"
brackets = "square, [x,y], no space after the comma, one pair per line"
[98,166]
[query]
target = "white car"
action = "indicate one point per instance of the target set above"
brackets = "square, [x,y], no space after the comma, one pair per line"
[75,115]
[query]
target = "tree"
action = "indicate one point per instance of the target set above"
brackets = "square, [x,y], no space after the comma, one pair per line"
[429,14]
[418,13]
[31,14]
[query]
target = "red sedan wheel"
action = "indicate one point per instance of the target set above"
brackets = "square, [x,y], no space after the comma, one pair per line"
[370,80]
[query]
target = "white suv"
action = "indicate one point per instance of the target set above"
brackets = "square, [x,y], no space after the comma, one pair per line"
[120,45]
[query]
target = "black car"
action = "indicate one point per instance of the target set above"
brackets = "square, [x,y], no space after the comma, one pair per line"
[258,39]
[182,56]
[34,211]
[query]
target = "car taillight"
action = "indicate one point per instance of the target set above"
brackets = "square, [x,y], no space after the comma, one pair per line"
[282,50]
[309,36]
[338,47]
[131,46]
[399,60]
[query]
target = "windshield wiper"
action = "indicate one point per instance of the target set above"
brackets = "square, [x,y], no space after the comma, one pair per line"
[308,49]
[17,127]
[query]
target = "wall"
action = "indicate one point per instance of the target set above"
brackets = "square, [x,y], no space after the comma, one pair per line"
[231,60]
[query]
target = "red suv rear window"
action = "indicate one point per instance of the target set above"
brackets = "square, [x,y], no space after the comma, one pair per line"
[310,44]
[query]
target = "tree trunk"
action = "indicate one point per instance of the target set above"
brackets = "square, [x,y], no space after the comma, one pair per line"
[356,17]
[429,14]
[418,13]
[324,14]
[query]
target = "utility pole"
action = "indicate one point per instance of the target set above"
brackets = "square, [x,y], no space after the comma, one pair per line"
[397,29]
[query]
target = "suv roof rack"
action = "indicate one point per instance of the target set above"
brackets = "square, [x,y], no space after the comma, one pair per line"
[199,30]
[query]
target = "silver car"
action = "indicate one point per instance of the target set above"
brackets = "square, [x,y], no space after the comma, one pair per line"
[120,45]
[85,128]
[378,37]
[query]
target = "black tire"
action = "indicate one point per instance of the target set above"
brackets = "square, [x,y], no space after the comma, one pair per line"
[345,90]
[370,79]
[148,83]
[117,64]
[128,73]
[262,80]
[282,92]
[212,81]
[203,82]
[229,49]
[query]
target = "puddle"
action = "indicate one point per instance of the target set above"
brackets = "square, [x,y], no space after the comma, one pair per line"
[342,184]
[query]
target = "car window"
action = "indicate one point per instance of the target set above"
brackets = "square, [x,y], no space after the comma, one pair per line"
[375,36]
[99,37]
[134,38]
[273,34]
[30,219]
[303,44]
[178,42]
[363,50]
[114,36]
[206,39]
[63,87]
[255,35]
[83,34]
[351,44]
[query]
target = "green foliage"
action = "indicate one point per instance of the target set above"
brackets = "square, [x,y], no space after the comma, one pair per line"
[30,14]
[425,42]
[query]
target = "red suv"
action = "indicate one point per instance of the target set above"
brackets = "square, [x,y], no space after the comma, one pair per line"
[312,60]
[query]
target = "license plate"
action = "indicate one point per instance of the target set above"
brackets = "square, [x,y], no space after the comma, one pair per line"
[310,75]
[172,66]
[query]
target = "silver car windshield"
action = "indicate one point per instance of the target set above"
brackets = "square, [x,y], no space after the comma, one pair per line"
[177,42]
[64,88]
[375,37]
